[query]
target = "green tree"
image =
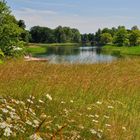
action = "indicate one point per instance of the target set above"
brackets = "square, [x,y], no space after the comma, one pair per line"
[135,28]
[60,34]
[98,36]
[113,31]
[134,37]
[68,33]
[106,38]
[85,38]
[9,30]
[21,24]
[76,36]
[121,37]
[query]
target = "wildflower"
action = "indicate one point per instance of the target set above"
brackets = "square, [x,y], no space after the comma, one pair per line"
[66,111]
[99,135]
[4,110]
[124,128]
[100,130]
[49,97]
[36,122]
[21,102]
[14,116]
[4,125]
[71,121]
[43,116]
[81,126]
[30,101]
[98,102]
[28,122]
[41,101]
[91,116]
[35,137]
[8,120]
[107,117]
[108,125]
[110,107]
[96,121]
[3,100]
[62,102]
[15,101]
[93,131]
[32,111]
[71,101]
[89,108]
[32,97]
[80,114]
[59,126]
[97,116]
[12,109]
[7,132]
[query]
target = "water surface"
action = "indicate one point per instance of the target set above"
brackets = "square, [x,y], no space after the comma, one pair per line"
[82,55]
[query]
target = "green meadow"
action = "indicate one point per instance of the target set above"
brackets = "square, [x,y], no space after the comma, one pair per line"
[92,102]
[132,50]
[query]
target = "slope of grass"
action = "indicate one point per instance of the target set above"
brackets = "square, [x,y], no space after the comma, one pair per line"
[37,48]
[122,50]
[91,102]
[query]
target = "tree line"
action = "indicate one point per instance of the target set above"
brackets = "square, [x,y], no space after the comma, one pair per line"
[57,35]
[119,36]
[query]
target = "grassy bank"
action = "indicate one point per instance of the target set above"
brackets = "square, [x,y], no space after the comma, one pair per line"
[42,48]
[91,102]
[122,50]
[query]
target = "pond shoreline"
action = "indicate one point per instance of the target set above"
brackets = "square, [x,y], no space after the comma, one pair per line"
[122,51]
[30,58]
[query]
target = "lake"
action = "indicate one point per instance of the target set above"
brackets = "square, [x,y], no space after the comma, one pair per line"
[82,55]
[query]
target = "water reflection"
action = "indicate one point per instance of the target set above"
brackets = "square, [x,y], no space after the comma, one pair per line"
[82,55]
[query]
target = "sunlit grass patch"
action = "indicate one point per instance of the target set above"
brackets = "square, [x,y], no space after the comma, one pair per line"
[99,101]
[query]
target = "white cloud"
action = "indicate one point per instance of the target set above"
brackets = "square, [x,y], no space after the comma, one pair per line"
[26,11]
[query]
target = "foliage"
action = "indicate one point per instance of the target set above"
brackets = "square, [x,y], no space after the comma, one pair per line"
[135,28]
[9,30]
[134,37]
[21,24]
[1,53]
[121,37]
[106,38]
[1,56]
[58,35]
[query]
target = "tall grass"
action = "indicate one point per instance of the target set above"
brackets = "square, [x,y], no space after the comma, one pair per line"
[90,102]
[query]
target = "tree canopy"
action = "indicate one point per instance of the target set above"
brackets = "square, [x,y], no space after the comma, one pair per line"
[57,35]
[10,31]
[116,36]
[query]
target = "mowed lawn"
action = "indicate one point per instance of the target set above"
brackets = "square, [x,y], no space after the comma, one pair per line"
[70,102]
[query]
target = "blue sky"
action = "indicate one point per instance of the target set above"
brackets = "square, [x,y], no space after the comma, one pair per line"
[86,15]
